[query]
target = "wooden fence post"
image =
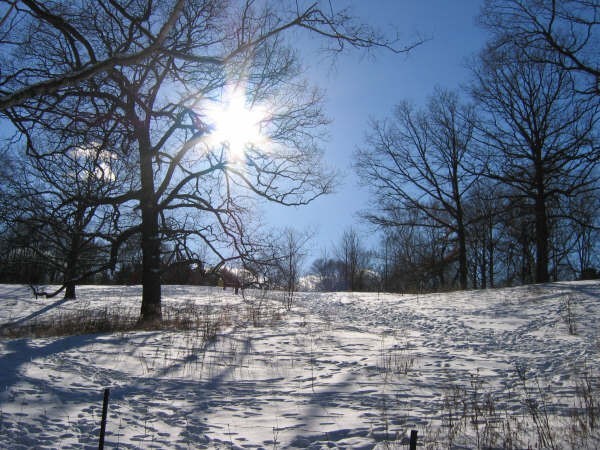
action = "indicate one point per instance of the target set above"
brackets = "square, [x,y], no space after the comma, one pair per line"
[413,440]
[103,423]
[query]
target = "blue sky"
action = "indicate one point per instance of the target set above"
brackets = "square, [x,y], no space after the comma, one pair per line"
[361,87]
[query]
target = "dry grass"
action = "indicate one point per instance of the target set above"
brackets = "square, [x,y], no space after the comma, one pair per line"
[115,320]
[209,320]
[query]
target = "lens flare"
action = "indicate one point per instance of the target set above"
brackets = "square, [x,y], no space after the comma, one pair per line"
[236,124]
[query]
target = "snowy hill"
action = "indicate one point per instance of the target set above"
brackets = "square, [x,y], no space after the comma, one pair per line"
[506,368]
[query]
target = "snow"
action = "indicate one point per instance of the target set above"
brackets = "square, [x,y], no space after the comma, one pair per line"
[341,370]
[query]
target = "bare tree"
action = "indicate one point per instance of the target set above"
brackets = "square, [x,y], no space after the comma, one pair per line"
[349,253]
[292,252]
[136,39]
[420,160]
[194,176]
[541,137]
[6,174]
[484,208]
[564,33]
[419,258]
[354,259]
[50,204]
[277,263]
[583,234]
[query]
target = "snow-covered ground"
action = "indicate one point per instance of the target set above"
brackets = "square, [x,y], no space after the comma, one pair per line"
[495,368]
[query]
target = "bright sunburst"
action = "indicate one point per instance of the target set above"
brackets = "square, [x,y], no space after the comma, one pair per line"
[236,124]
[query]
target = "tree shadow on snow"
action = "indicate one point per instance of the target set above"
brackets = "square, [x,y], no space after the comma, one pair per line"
[34,314]
[18,353]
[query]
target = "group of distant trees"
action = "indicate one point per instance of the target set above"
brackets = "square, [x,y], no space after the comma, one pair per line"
[351,267]
[500,186]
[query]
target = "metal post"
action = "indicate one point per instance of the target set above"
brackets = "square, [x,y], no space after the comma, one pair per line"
[103,423]
[413,440]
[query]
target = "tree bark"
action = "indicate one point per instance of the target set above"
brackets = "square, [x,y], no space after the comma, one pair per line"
[491,249]
[151,310]
[463,268]
[541,231]
[70,291]
[73,256]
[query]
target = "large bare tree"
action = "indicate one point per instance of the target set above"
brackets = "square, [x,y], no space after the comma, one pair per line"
[420,160]
[541,137]
[214,114]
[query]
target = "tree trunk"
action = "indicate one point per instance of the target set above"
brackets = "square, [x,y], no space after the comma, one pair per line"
[490,267]
[525,259]
[463,269]
[541,244]
[151,310]
[541,229]
[483,269]
[70,291]
[73,257]
[491,253]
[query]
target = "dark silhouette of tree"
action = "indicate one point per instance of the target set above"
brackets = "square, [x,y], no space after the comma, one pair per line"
[50,204]
[582,228]
[484,207]
[154,113]
[563,33]
[419,258]
[540,136]
[21,80]
[420,160]
[354,260]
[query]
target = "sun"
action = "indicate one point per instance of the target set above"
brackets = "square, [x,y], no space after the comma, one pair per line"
[236,124]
